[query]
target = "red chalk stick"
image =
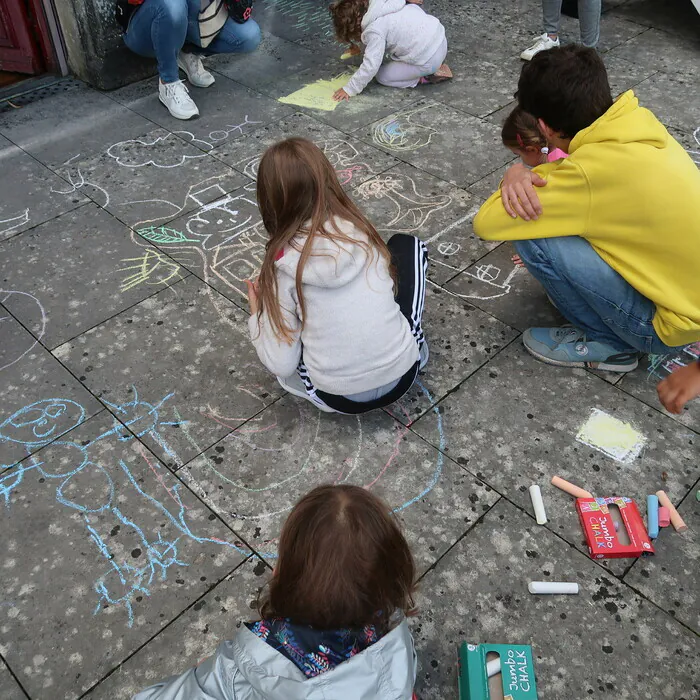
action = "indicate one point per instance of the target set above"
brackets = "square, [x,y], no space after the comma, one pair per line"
[664,517]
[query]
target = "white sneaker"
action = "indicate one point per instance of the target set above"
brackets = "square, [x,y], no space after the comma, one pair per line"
[197,74]
[176,98]
[542,44]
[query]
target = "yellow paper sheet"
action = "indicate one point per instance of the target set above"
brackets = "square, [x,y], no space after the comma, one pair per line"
[318,95]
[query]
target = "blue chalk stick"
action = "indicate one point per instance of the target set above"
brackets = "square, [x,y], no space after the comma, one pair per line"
[653,516]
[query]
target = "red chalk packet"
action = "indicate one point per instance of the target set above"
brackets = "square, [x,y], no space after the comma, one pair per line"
[599,527]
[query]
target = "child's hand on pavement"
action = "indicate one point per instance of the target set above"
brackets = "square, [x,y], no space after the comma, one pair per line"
[680,387]
[518,192]
[340,95]
[252,295]
[414,2]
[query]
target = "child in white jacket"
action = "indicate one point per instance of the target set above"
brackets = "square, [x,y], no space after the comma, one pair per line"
[414,40]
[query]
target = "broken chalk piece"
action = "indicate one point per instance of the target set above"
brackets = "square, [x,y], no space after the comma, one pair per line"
[653,516]
[538,504]
[493,667]
[676,519]
[552,588]
[570,488]
[664,517]
[346,55]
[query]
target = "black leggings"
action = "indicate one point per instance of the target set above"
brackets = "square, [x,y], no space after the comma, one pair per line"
[409,256]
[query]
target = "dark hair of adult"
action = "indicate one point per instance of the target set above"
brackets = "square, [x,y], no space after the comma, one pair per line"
[343,563]
[567,87]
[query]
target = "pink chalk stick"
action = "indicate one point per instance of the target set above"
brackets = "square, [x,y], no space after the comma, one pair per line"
[664,517]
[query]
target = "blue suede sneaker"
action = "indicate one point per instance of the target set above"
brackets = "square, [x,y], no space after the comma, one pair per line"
[567,347]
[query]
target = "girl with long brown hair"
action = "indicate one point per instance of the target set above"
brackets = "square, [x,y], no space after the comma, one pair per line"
[333,619]
[336,312]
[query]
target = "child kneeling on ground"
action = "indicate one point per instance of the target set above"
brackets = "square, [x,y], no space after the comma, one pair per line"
[336,312]
[414,40]
[333,618]
[613,231]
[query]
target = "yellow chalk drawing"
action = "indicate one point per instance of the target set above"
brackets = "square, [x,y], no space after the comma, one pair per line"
[611,436]
[151,268]
[318,95]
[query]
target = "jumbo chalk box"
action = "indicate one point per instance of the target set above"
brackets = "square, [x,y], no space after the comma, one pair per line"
[517,671]
[599,527]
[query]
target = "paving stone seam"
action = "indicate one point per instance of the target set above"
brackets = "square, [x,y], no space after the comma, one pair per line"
[174,619]
[14,676]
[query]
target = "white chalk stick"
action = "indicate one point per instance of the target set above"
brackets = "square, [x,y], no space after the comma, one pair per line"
[493,667]
[538,504]
[552,588]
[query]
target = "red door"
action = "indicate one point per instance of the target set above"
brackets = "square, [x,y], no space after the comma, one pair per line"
[18,50]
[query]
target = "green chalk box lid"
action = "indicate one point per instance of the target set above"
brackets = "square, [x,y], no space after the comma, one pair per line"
[517,671]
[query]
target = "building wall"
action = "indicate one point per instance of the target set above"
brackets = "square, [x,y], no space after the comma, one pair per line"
[94,46]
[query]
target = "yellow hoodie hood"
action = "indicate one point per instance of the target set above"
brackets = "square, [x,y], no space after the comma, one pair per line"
[630,189]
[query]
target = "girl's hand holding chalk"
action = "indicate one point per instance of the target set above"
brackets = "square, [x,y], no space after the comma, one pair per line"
[352,51]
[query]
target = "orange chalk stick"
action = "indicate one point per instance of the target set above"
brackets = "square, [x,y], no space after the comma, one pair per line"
[571,489]
[676,519]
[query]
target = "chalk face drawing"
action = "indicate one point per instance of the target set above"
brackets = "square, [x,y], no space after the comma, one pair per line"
[403,131]
[412,209]
[611,436]
[85,485]
[317,95]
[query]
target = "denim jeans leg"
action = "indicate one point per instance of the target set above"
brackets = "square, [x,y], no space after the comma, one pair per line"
[589,19]
[158,29]
[551,14]
[233,38]
[591,294]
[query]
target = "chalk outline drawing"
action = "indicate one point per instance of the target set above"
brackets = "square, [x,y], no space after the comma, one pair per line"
[123,159]
[4,296]
[661,366]
[399,132]
[141,418]
[7,225]
[695,155]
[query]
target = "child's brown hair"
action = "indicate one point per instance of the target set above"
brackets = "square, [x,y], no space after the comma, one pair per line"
[299,195]
[343,563]
[347,19]
[521,130]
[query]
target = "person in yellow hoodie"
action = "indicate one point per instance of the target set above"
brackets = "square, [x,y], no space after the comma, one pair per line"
[612,232]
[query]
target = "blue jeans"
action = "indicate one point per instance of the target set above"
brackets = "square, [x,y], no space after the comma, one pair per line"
[591,295]
[160,28]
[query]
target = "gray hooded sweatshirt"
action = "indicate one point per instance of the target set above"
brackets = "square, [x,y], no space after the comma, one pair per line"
[405,31]
[247,668]
[355,337]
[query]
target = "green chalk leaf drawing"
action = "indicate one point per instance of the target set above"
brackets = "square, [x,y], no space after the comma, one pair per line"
[162,234]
